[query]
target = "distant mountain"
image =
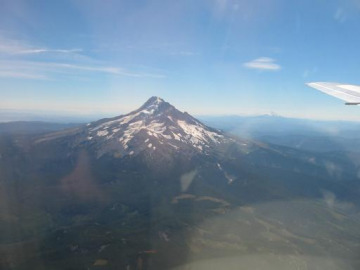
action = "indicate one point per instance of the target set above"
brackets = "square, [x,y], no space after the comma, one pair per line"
[279,126]
[303,134]
[320,143]
[157,189]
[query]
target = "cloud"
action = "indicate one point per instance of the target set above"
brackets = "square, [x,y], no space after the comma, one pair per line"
[44,70]
[16,47]
[14,65]
[37,51]
[101,69]
[263,63]
[21,75]
[105,69]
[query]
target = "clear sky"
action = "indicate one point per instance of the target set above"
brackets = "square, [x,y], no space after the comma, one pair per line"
[204,56]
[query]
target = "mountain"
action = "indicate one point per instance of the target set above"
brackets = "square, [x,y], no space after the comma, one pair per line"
[158,189]
[157,126]
[159,134]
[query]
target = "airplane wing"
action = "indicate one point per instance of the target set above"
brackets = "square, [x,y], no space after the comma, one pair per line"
[349,93]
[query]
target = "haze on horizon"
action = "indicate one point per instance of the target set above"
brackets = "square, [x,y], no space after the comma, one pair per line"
[217,57]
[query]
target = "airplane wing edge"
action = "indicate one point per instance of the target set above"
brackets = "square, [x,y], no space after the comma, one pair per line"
[336,90]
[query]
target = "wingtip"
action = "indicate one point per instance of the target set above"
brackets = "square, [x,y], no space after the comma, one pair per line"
[312,84]
[316,85]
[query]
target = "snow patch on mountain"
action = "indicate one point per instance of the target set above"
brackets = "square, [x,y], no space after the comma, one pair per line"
[227,176]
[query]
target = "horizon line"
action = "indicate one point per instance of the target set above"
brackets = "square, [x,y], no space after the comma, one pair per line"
[77,114]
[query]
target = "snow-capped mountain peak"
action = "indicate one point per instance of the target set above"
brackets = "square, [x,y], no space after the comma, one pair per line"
[153,103]
[155,126]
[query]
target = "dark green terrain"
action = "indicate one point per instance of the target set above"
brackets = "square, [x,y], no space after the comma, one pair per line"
[244,207]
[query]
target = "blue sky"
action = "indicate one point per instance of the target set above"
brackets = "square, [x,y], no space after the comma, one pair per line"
[214,57]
